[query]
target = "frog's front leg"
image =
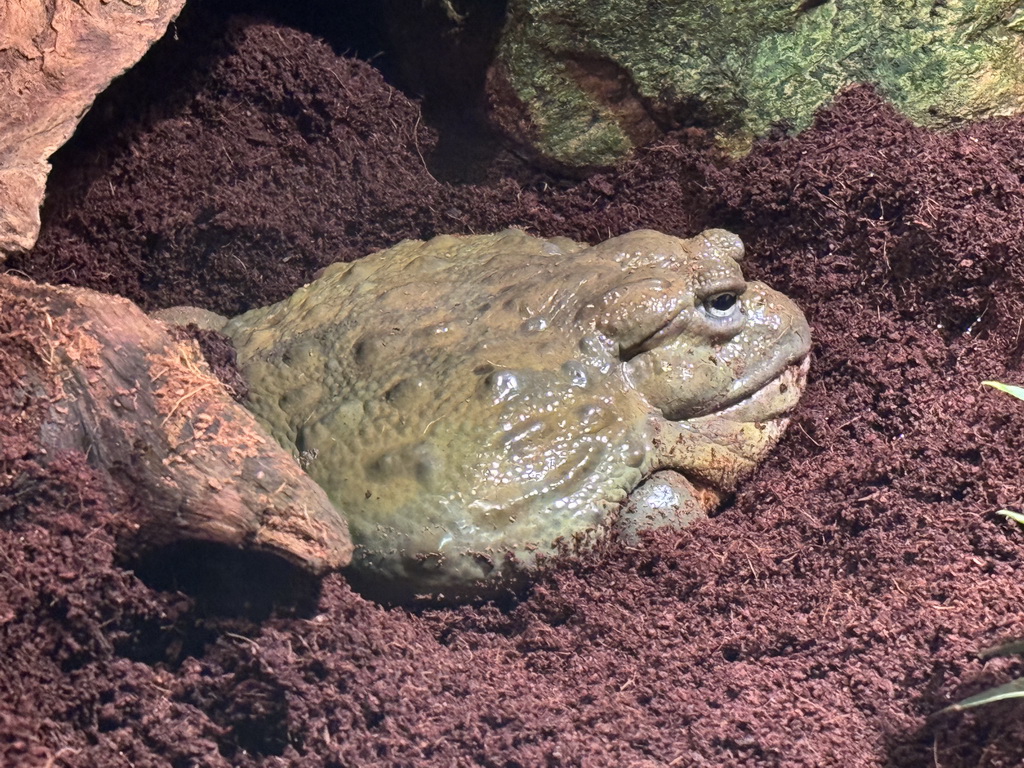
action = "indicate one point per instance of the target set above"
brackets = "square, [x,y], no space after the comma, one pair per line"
[666,499]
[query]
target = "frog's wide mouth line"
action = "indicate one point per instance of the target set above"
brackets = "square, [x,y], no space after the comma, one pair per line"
[772,400]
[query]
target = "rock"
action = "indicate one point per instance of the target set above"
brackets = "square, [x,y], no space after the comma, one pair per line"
[55,57]
[98,376]
[585,83]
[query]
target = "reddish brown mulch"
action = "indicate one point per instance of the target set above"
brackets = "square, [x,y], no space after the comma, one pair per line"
[819,620]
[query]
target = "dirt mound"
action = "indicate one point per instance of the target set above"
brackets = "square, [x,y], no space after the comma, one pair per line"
[820,619]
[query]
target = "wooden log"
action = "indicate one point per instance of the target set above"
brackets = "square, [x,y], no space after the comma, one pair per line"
[145,407]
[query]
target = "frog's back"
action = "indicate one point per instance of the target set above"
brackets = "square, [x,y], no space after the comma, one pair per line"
[446,398]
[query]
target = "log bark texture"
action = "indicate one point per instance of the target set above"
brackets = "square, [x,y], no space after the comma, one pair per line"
[144,406]
[55,57]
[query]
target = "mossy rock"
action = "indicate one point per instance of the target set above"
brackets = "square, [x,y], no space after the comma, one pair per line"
[585,83]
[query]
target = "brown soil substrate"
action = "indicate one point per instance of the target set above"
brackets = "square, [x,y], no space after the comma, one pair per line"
[819,620]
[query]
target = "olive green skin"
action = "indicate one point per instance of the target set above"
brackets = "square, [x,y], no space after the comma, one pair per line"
[471,402]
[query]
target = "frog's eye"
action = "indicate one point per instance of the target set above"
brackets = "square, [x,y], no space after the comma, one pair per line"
[722,305]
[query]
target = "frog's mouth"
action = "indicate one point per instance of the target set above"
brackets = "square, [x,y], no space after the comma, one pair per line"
[716,450]
[770,401]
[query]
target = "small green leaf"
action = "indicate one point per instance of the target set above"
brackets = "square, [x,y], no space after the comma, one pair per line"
[1017,517]
[1011,648]
[1015,688]
[1012,690]
[1009,389]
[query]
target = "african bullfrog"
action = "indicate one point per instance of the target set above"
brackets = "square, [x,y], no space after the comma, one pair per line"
[472,402]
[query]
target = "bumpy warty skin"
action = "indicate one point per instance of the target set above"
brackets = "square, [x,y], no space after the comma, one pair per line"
[469,401]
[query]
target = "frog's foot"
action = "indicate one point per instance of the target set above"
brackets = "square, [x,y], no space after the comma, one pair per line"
[666,499]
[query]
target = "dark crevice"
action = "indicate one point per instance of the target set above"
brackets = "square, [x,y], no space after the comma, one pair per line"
[443,63]
[230,582]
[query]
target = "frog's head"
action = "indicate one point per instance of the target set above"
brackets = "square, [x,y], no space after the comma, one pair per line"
[719,361]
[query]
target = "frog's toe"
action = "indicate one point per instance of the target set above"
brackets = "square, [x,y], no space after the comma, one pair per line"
[182,316]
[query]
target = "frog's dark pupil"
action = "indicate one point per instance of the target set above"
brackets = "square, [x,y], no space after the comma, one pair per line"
[723,302]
